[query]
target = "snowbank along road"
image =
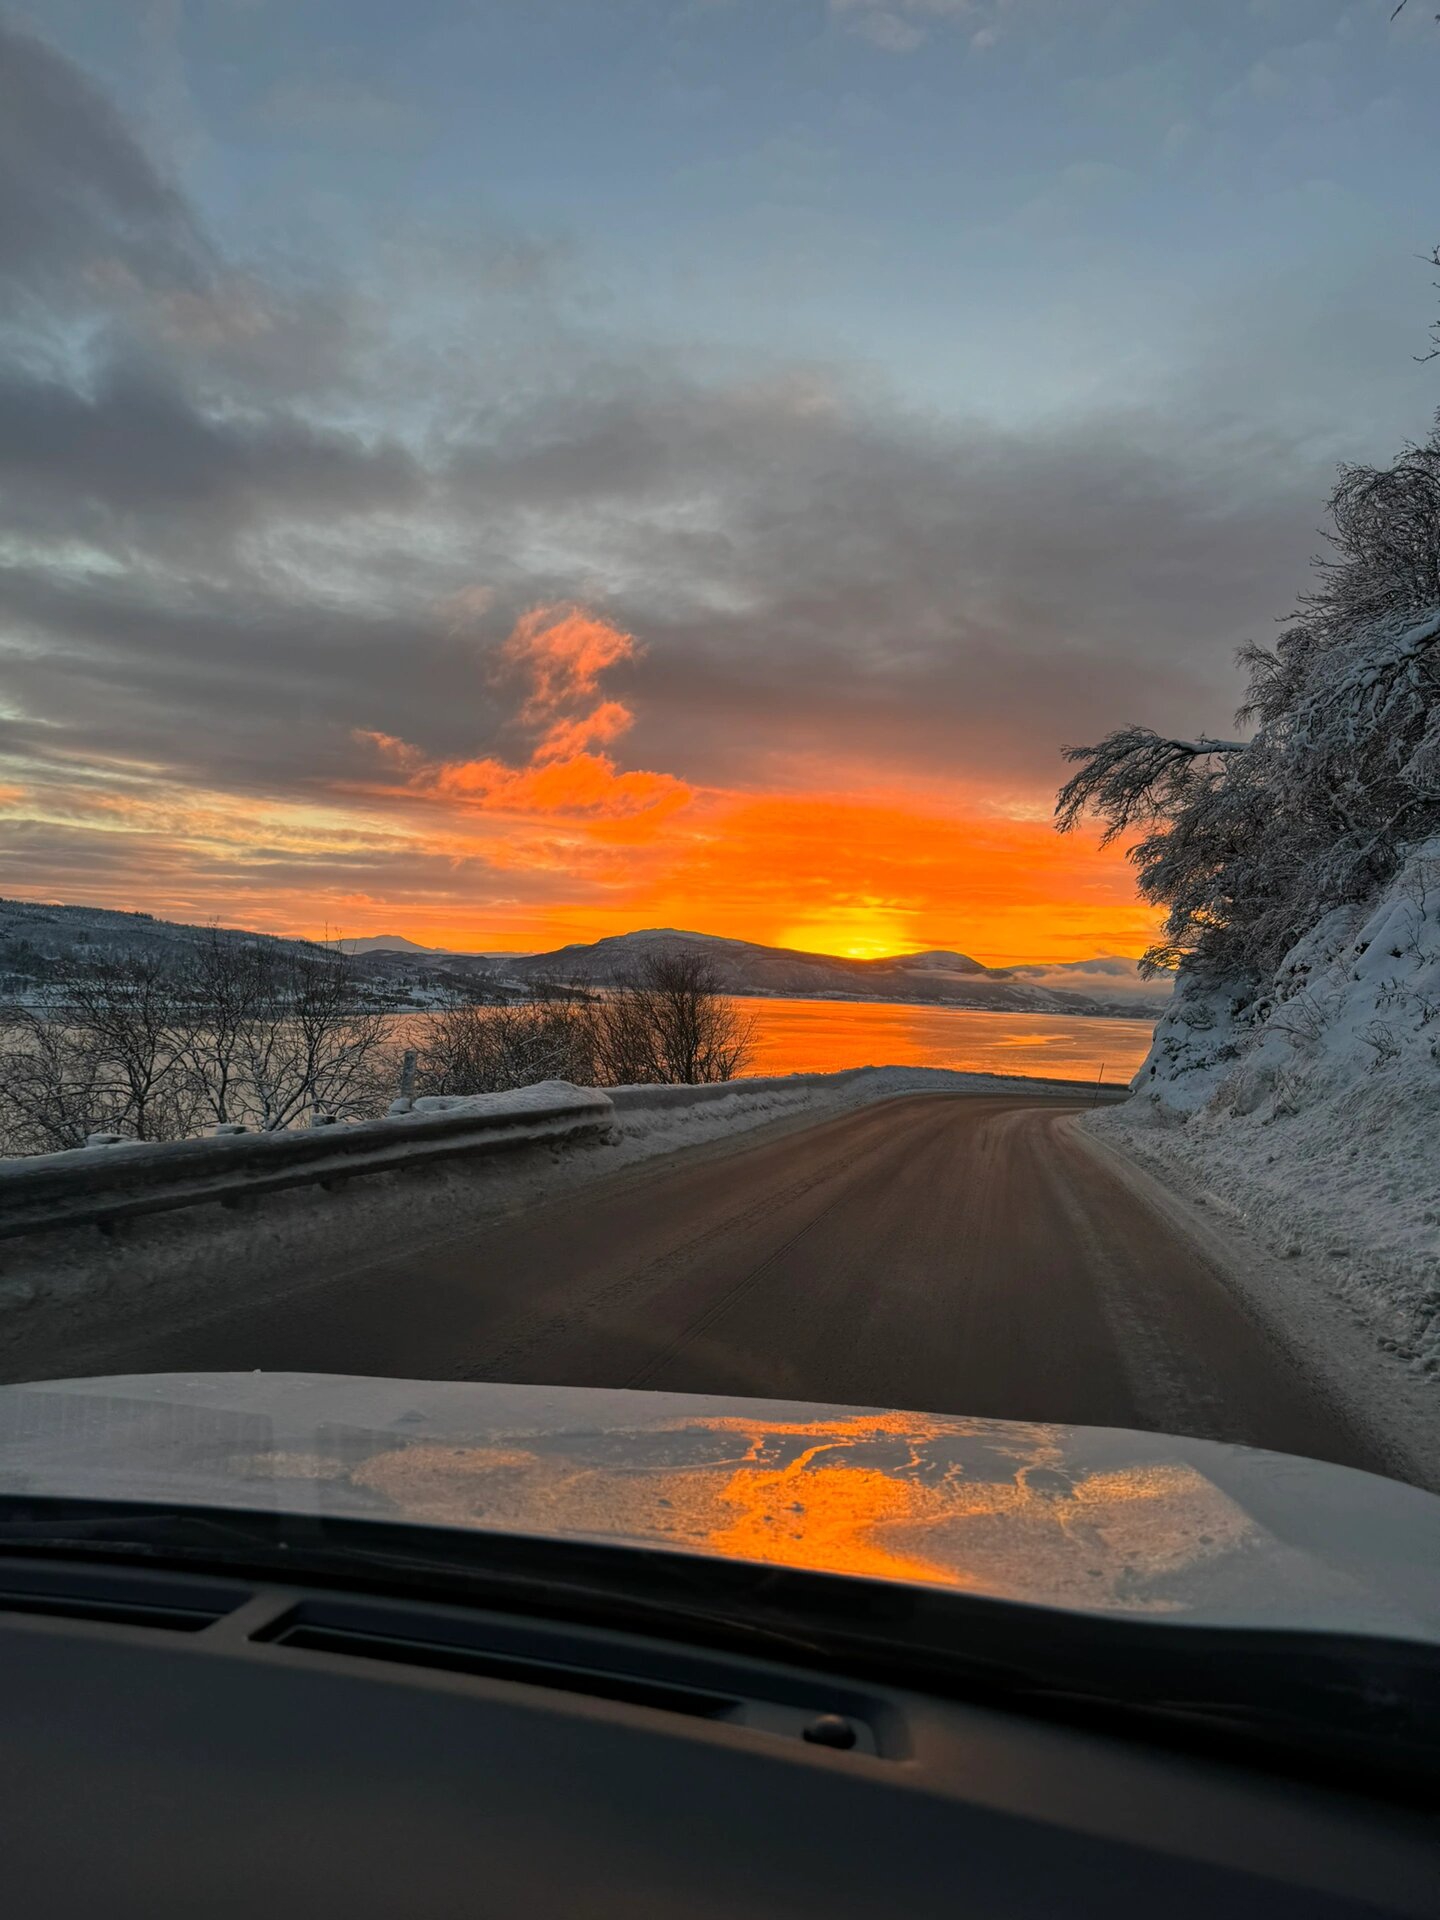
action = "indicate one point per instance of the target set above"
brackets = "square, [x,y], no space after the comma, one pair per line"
[973,1254]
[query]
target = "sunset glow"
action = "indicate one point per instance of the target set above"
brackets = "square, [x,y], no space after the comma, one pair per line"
[548,837]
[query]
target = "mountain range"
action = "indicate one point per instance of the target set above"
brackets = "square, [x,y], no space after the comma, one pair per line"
[36,937]
[938,977]
[1109,985]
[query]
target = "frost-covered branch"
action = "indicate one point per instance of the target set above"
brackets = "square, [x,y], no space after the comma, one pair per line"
[1135,774]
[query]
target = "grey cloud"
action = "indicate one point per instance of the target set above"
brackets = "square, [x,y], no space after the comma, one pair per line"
[810,568]
[54,859]
[275,340]
[902,26]
[889,31]
[102,258]
[805,578]
[240,686]
[331,106]
[137,452]
[810,571]
[79,197]
[92,231]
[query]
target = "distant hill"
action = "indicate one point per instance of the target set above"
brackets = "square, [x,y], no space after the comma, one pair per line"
[937,977]
[36,937]
[397,943]
[36,934]
[386,943]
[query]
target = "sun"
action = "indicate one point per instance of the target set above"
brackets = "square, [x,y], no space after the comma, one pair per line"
[861,934]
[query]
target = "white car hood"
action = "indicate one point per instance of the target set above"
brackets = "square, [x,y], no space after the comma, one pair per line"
[1092,1519]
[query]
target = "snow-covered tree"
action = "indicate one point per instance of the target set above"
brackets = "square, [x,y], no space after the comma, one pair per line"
[1248,842]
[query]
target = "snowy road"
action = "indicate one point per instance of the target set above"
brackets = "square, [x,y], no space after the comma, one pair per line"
[973,1254]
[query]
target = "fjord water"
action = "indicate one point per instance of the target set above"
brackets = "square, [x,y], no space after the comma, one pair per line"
[822,1036]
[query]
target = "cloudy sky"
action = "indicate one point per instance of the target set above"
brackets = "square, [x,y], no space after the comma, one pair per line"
[506,471]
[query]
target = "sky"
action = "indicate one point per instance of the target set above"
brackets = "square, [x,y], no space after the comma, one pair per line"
[512,471]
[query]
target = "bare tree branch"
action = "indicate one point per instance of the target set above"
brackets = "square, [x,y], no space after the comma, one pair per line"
[669,1020]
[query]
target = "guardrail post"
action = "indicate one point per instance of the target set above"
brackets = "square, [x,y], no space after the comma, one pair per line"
[405,1099]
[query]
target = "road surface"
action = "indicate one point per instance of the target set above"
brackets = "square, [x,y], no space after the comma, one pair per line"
[966,1254]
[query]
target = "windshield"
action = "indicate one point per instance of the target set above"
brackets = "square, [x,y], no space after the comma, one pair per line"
[671,727]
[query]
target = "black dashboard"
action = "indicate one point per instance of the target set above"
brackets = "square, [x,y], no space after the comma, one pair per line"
[172,1744]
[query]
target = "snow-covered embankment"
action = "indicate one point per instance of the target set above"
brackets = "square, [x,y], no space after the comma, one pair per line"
[1312,1108]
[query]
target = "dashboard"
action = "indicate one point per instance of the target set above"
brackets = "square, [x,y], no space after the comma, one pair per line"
[174,1744]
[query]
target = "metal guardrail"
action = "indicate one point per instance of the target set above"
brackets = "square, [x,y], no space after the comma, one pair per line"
[98,1186]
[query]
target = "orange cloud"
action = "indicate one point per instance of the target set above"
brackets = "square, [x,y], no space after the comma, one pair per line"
[561,652]
[607,722]
[582,783]
[392,750]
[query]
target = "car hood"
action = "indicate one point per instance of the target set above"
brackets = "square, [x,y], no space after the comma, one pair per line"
[1092,1519]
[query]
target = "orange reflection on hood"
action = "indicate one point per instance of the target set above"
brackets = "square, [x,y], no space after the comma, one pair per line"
[889,1496]
[826,1517]
[1132,1528]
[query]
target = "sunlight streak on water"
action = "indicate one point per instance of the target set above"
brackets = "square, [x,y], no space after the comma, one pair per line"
[823,1036]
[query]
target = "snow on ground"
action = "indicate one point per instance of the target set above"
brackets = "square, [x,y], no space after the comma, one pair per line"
[1313,1109]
